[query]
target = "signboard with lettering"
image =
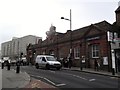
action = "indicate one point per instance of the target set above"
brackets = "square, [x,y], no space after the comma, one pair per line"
[110,36]
[93,38]
[116,39]
[105,60]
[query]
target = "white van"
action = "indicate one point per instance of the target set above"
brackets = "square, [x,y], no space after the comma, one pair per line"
[47,62]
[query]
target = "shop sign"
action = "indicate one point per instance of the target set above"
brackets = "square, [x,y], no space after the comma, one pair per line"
[110,36]
[105,60]
[116,39]
[93,38]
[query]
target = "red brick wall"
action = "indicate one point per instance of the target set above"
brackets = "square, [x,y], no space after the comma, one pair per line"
[62,44]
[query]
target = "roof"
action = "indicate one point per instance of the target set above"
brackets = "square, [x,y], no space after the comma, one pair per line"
[118,9]
[115,28]
[102,26]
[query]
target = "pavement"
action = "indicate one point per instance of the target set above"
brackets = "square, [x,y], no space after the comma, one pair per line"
[11,79]
[92,71]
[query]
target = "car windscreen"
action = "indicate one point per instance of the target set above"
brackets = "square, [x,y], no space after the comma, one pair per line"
[50,58]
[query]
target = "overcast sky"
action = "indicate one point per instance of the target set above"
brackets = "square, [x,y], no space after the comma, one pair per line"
[19,18]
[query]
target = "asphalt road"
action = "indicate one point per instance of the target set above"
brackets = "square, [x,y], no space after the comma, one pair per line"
[71,79]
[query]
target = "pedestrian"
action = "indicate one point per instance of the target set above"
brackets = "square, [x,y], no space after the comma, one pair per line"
[18,66]
[66,62]
[8,64]
[2,64]
[70,61]
[96,65]
[81,66]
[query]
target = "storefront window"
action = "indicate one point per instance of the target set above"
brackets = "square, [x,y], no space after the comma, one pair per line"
[95,51]
[77,53]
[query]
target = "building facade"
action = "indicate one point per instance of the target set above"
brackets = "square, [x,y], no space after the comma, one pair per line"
[89,42]
[115,42]
[16,46]
[84,45]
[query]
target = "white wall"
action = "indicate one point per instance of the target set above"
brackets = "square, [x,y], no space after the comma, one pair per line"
[17,45]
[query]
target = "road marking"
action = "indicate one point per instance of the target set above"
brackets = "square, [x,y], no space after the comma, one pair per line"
[62,84]
[114,77]
[79,77]
[49,81]
[76,76]
[37,76]
[92,80]
[52,71]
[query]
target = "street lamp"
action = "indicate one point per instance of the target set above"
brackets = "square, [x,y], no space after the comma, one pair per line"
[68,20]
[70,29]
[57,46]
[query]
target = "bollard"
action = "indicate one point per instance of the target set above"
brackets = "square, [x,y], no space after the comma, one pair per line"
[2,65]
[8,68]
[81,68]
[113,71]
[18,69]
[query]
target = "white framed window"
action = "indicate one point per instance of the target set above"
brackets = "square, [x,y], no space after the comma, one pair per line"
[77,53]
[95,51]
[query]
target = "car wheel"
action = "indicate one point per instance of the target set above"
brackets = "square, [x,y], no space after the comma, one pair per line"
[37,66]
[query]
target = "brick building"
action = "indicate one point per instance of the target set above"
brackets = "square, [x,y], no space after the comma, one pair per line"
[89,42]
[85,45]
[115,42]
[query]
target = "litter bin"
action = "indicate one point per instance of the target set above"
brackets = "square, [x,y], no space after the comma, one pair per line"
[18,67]
[113,71]
[8,67]
[2,65]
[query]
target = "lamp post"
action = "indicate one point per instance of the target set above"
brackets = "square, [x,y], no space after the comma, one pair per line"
[70,29]
[57,47]
[68,20]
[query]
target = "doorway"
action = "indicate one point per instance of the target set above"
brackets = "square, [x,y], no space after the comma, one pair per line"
[117,59]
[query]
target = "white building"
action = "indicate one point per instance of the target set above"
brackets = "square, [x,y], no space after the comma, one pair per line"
[16,46]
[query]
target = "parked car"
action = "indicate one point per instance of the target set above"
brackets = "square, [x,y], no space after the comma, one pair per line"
[24,61]
[6,62]
[13,62]
[47,62]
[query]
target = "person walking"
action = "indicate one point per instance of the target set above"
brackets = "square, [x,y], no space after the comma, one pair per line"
[70,61]
[96,65]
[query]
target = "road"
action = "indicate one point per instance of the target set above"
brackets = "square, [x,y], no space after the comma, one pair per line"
[71,79]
